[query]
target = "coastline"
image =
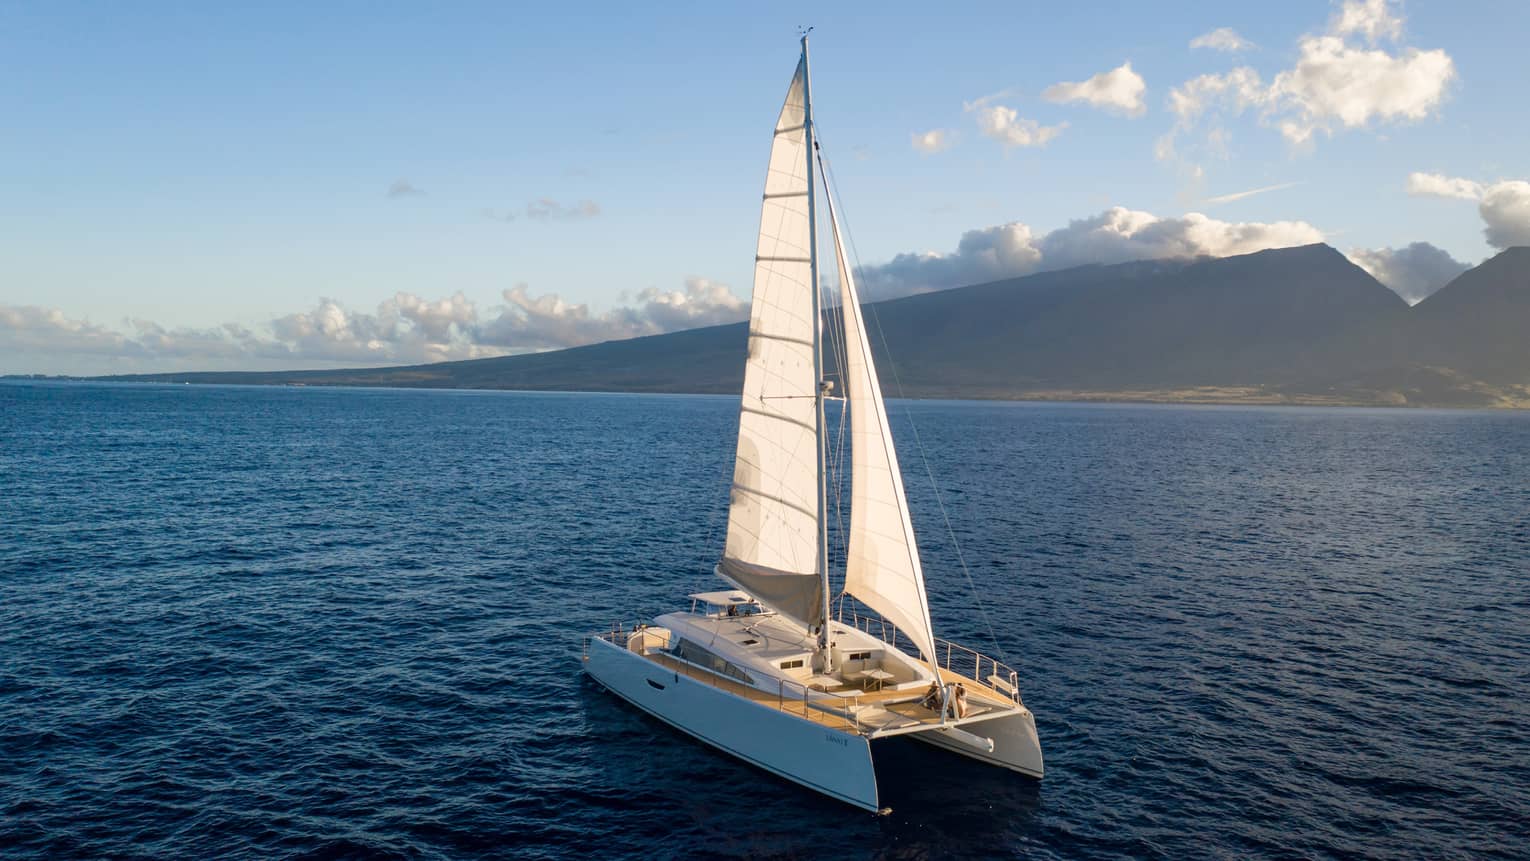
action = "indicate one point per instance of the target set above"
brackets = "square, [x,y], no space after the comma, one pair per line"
[1479,397]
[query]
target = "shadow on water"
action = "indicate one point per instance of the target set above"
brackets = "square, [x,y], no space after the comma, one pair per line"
[949,805]
[941,805]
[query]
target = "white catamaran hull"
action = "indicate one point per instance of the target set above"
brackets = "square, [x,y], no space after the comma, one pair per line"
[835,763]
[1015,744]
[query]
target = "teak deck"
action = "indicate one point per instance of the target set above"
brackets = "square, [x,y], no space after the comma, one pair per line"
[888,712]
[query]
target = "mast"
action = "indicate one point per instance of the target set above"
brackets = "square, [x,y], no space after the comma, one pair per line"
[774,544]
[818,389]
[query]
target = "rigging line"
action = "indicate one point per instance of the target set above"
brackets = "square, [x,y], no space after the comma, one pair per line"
[888,459]
[839,347]
[828,174]
[836,343]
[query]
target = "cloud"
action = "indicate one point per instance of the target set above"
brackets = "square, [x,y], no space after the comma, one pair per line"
[404,188]
[28,328]
[1412,272]
[404,329]
[1240,195]
[1505,209]
[987,254]
[703,303]
[1438,185]
[1118,90]
[1236,90]
[1224,39]
[1114,236]
[932,141]
[1227,94]
[546,208]
[1336,83]
[1504,205]
[1005,126]
[1372,19]
[550,322]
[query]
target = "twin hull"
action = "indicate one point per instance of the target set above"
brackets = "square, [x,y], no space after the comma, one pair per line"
[832,762]
[827,760]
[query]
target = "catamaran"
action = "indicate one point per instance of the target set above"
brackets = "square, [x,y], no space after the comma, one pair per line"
[769,670]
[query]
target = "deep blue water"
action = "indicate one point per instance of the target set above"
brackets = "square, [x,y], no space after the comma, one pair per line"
[308,622]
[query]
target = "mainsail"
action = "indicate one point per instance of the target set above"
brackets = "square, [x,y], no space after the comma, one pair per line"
[882,567]
[773,546]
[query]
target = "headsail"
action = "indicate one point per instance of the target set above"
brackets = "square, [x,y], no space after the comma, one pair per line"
[773,547]
[882,567]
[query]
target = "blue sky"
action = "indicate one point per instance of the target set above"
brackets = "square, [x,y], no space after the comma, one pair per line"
[169,169]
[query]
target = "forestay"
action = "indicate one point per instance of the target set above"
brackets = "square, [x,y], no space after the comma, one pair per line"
[882,559]
[772,548]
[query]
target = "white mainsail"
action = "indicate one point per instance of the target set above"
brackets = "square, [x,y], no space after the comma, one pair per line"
[773,545]
[882,559]
[745,671]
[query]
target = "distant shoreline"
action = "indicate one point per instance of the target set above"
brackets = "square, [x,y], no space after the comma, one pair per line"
[1188,396]
[1297,326]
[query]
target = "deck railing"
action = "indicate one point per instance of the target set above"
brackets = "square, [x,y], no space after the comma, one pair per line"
[818,708]
[950,656]
[813,704]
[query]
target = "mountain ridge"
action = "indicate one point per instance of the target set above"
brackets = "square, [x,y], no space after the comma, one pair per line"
[1290,325]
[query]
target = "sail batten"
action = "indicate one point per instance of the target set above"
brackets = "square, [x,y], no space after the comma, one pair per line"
[773,545]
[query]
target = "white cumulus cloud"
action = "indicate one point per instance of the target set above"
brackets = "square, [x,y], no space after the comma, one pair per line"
[1373,19]
[1342,79]
[549,322]
[1505,209]
[932,141]
[1007,127]
[1334,82]
[1439,185]
[404,329]
[1504,205]
[1222,39]
[29,328]
[1119,90]
[1116,235]
[1413,272]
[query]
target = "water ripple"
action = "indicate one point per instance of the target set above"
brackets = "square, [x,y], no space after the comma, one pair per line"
[323,623]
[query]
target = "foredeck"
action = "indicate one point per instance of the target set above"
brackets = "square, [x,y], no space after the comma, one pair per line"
[846,707]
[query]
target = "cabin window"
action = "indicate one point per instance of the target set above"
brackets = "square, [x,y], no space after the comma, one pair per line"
[747,642]
[859,656]
[791,665]
[687,651]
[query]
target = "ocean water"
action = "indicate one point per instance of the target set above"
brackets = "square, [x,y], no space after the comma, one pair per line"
[347,623]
